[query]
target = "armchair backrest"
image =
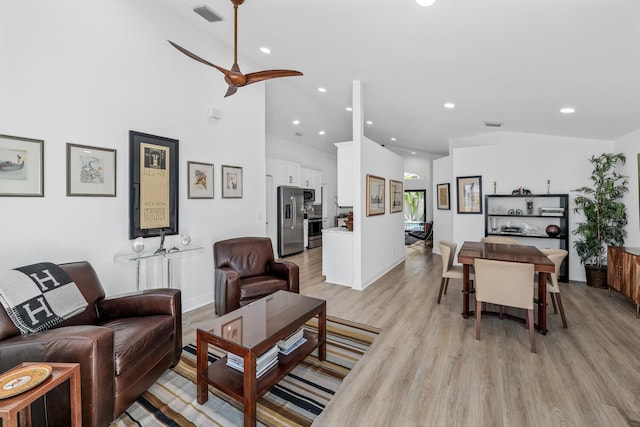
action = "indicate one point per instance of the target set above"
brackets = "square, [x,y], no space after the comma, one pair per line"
[249,256]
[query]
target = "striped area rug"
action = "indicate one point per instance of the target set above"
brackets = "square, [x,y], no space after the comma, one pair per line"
[295,401]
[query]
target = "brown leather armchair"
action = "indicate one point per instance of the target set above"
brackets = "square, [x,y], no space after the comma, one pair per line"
[245,270]
[123,344]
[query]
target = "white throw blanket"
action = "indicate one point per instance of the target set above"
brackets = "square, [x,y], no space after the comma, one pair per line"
[39,296]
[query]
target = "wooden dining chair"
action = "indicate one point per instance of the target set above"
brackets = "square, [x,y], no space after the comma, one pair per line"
[556,256]
[449,271]
[506,284]
[499,239]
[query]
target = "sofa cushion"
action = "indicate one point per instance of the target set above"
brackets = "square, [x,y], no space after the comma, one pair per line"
[135,337]
[257,286]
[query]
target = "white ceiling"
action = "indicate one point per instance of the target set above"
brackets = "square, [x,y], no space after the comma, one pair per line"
[511,61]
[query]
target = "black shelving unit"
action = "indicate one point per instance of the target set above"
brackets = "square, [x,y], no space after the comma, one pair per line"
[509,211]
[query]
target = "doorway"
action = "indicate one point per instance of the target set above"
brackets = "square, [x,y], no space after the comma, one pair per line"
[415,210]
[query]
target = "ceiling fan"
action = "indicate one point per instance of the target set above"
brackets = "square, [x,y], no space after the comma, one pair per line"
[234,76]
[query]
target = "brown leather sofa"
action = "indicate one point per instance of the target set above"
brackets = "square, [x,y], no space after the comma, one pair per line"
[245,270]
[123,344]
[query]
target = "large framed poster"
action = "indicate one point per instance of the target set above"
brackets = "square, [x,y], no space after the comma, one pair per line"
[153,191]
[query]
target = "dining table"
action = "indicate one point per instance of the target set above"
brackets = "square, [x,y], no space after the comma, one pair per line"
[470,251]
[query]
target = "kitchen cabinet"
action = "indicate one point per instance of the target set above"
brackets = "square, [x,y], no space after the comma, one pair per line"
[528,216]
[284,172]
[623,272]
[345,173]
[312,178]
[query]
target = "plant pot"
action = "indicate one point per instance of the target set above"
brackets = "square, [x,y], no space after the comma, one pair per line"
[596,277]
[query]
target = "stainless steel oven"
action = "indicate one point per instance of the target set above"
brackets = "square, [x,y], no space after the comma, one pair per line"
[315,232]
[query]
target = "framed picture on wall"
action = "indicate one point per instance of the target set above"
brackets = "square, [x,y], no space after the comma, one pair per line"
[21,167]
[91,171]
[469,190]
[231,182]
[199,180]
[153,185]
[444,193]
[375,195]
[395,196]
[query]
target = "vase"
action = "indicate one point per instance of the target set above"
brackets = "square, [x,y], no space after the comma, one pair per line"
[553,230]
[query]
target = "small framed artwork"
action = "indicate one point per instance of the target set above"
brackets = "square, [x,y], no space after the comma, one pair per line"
[444,193]
[396,195]
[232,331]
[91,171]
[153,185]
[469,190]
[199,180]
[231,182]
[375,195]
[21,167]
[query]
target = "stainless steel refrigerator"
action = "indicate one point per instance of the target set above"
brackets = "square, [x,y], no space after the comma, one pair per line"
[290,220]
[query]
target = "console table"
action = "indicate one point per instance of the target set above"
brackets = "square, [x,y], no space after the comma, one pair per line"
[167,257]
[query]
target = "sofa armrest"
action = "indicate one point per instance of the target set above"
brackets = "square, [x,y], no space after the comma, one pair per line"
[289,271]
[91,346]
[226,290]
[150,302]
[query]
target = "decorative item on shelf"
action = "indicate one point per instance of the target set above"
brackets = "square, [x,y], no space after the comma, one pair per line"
[530,229]
[161,249]
[494,187]
[520,190]
[518,211]
[493,221]
[548,186]
[138,244]
[349,221]
[529,206]
[497,210]
[553,230]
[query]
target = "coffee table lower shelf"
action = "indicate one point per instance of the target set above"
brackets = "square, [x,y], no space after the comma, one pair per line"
[230,380]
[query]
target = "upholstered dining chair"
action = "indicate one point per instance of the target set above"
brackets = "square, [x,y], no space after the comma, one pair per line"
[449,271]
[506,284]
[499,239]
[556,256]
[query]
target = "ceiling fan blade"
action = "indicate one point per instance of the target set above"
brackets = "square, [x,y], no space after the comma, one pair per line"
[231,91]
[197,58]
[270,74]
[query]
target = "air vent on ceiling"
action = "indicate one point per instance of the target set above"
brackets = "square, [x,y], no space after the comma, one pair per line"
[298,134]
[207,13]
[493,124]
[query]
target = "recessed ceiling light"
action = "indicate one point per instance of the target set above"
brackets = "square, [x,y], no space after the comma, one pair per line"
[321,132]
[449,105]
[296,122]
[265,50]
[369,122]
[393,138]
[567,110]
[413,152]
[321,89]
[426,2]
[349,109]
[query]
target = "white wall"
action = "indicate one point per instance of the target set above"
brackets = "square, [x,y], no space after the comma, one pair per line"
[379,239]
[513,160]
[630,146]
[87,73]
[442,218]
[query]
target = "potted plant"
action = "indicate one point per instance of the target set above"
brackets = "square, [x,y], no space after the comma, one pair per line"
[604,213]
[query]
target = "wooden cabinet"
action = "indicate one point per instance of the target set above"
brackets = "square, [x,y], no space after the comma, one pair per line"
[526,217]
[623,272]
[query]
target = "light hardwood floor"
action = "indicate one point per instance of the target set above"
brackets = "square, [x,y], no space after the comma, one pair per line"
[427,369]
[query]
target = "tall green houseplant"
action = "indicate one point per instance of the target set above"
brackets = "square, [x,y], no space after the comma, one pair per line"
[605,214]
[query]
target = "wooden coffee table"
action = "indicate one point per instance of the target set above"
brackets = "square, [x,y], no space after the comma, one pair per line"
[249,332]
[10,407]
